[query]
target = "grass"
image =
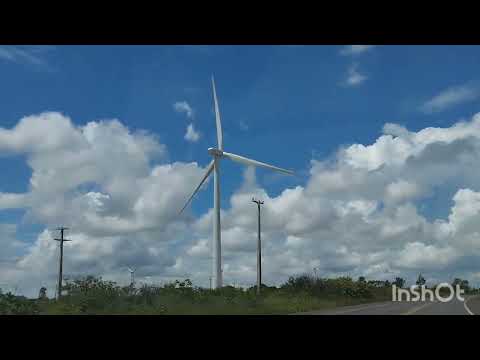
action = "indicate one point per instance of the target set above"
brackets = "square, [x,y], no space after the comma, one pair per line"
[213,305]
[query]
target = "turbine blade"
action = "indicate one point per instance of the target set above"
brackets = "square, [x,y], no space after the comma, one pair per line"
[217,118]
[250,162]
[209,171]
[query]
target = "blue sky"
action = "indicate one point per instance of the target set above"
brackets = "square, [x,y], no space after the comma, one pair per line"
[291,98]
[284,105]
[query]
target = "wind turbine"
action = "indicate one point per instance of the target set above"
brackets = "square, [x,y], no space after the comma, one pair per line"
[218,154]
[132,276]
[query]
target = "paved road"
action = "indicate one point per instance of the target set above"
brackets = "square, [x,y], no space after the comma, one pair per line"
[454,307]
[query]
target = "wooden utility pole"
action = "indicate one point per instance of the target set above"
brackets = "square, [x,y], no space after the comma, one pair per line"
[60,266]
[259,249]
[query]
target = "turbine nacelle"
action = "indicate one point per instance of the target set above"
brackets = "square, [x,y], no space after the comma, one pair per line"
[215,152]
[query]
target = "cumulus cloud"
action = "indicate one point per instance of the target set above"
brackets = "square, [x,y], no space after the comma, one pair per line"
[13,201]
[357,214]
[183,107]
[401,190]
[353,50]
[11,246]
[417,255]
[394,129]
[191,135]
[449,98]
[103,181]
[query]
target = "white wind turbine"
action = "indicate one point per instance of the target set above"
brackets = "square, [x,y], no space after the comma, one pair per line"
[218,154]
[132,275]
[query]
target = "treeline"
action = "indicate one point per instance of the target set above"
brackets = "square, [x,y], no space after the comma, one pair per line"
[93,295]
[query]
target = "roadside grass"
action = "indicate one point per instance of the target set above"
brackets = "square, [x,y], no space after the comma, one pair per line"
[242,304]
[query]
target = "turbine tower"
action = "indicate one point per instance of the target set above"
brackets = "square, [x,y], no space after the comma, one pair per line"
[132,276]
[218,154]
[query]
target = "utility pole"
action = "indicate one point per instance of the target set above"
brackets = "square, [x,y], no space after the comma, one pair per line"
[60,268]
[315,271]
[210,282]
[259,249]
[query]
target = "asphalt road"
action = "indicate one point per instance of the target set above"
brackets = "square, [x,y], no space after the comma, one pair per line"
[454,307]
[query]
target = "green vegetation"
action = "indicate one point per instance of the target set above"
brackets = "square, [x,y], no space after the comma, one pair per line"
[92,295]
[17,305]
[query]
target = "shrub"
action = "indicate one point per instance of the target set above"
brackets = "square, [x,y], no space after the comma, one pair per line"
[17,305]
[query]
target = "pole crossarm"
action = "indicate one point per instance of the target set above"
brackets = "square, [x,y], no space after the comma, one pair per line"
[258,202]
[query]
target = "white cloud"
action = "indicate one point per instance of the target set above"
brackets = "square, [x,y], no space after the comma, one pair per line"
[354,78]
[335,222]
[11,247]
[100,180]
[394,130]
[191,135]
[12,201]
[63,157]
[449,98]
[355,49]
[202,249]
[183,107]
[355,215]
[401,190]
[422,257]
[33,55]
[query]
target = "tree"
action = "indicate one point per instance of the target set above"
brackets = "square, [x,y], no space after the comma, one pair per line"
[464,285]
[361,279]
[399,282]
[42,294]
[421,280]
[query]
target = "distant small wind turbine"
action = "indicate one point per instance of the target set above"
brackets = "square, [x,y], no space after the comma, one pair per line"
[132,276]
[214,166]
